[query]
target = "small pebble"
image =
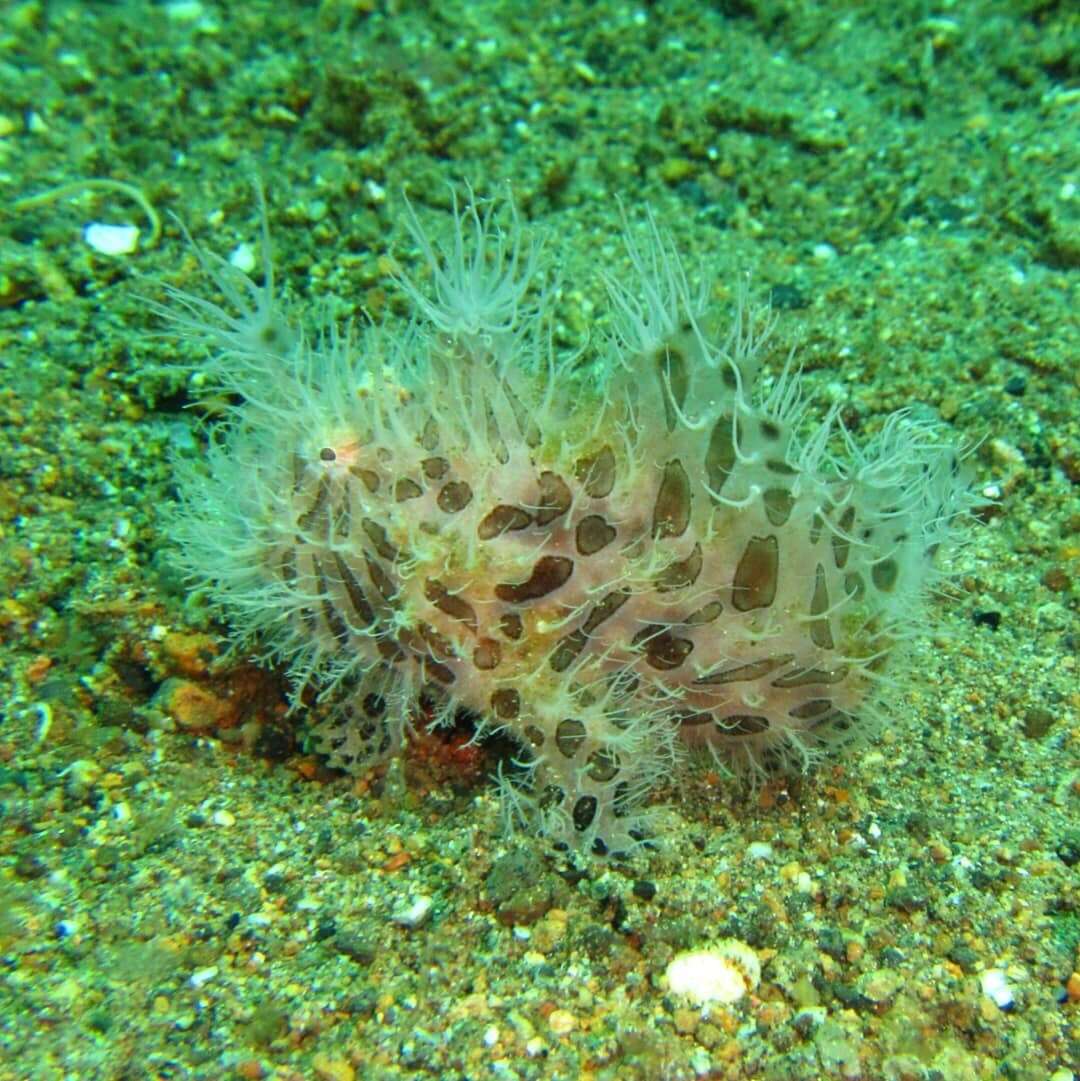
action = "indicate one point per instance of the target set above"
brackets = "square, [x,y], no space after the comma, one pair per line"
[562,1022]
[416,914]
[243,258]
[202,976]
[995,985]
[111,239]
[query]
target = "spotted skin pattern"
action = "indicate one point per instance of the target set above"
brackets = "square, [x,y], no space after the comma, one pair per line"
[609,558]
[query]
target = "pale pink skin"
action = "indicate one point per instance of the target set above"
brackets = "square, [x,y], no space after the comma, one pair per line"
[607,566]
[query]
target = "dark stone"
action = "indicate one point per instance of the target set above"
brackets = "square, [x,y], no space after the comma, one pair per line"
[906,899]
[274,882]
[830,941]
[989,619]
[275,743]
[355,947]
[520,887]
[965,957]
[1068,848]
[787,297]
[850,997]
[918,825]
[30,866]
[1037,722]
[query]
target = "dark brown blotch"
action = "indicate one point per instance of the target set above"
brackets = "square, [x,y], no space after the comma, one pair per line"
[720,454]
[695,720]
[555,498]
[405,489]
[438,671]
[593,534]
[354,591]
[379,578]
[454,496]
[390,650]
[331,616]
[780,467]
[584,812]
[814,710]
[287,566]
[368,477]
[742,724]
[435,468]
[663,650]
[451,603]
[318,505]
[437,644]
[705,614]
[602,765]
[682,573]
[805,677]
[779,503]
[820,630]
[884,575]
[502,519]
[373,705]
[487,654]
[377,535]
[534,735]
[756,575]
[597,473]
[567,650]
[770,430]
[671,512]
[548,574]
[741,673]
[569,736]
[506,703]
[841,542]
[605,609]
[429,438]
[674,380]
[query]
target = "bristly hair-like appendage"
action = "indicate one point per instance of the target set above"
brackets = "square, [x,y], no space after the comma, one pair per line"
[610,558]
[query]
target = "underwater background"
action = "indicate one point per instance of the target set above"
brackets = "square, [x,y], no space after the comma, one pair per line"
[186,891]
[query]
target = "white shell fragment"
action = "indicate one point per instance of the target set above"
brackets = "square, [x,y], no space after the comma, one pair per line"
[719,974]
[995,985]
[111,239]
[243,258]
[415,914]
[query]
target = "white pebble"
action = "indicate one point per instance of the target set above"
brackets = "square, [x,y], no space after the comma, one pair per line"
[416,914]
[721,973]
[243,258]
[995,985]
[111,239]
